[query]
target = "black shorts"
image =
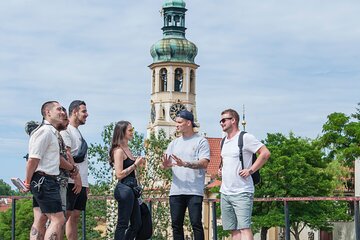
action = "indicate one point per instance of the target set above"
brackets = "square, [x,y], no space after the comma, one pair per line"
[75,201]
[46,193]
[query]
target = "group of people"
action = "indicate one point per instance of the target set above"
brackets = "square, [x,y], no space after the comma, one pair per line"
[188,157]
[55,145]
[57,171]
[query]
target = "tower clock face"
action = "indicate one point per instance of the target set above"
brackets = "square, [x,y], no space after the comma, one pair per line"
[175,109]
[153,114]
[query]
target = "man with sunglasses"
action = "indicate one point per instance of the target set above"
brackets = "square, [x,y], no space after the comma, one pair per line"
[237,187]
[75,143]
[188,157]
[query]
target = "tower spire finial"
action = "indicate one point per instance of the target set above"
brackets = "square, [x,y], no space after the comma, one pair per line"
[243,122]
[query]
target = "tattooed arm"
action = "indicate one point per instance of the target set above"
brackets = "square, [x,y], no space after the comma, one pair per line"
[202,163]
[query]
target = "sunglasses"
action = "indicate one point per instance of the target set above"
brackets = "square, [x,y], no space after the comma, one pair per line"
[132,129]
[224,120]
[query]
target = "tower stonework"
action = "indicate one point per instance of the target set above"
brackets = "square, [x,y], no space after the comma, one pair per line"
[173,71]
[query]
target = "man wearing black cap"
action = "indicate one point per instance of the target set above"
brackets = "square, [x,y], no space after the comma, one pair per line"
[76,202]
[188,157]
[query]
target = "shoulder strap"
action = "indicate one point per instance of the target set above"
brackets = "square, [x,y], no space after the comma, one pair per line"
[222,143]
[241,144]
[221,146]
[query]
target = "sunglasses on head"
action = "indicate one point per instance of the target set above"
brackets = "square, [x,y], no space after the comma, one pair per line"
[224,119]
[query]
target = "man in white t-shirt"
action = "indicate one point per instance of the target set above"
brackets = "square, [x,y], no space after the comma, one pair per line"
[188,156]
[42,169]
[237,187]
[76,202]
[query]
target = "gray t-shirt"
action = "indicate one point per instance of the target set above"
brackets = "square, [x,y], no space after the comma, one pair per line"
[187,181]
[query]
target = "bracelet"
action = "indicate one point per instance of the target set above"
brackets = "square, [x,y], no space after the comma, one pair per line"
[251,171]
[135,165]
[74,169]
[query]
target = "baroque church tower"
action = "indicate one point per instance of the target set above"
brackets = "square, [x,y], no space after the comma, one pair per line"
[173,83]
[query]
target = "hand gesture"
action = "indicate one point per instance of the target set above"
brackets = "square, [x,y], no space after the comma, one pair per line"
[166,161]
[139,160]
[179,161]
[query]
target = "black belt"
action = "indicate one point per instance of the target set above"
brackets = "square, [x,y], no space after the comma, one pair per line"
[41,173]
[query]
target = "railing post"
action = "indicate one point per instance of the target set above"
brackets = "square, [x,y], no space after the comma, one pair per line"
[150,209]
[83,213]
[214,225]
[356,220]
[13,215]
[287,221]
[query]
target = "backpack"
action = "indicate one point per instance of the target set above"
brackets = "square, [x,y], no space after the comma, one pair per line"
[256,175]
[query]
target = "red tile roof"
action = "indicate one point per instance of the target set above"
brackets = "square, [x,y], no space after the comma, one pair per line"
[5,204]
[215,150]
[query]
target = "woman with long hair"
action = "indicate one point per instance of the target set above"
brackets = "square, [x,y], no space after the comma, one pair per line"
[125,165]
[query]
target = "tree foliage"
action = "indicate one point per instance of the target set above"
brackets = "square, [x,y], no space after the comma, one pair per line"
[296,168]
[24,217]
[5,189]
[341,137]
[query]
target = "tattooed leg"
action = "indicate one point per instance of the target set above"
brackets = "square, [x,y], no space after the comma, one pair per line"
[53,236]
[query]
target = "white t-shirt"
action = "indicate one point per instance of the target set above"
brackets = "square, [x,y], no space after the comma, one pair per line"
[187,181]
[72,138]
[44,145]
[232,183]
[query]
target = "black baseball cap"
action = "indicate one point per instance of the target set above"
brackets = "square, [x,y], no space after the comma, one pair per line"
[185,114]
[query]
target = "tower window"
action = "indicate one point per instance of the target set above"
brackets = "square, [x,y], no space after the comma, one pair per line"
[176,20]
[163,80]
[178,79]
[168,20]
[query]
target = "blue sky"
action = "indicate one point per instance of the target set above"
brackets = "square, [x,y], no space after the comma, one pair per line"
[291,63]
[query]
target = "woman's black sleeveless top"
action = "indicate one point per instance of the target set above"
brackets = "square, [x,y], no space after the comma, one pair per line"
[127,163]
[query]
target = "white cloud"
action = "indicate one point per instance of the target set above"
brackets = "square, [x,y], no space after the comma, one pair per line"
[290,62]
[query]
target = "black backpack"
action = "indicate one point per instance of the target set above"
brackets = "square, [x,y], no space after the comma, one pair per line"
[256,175]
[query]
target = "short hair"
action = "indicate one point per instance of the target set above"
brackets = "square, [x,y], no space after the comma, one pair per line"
[233,114]
[47,105]
[64,109]
[75,105]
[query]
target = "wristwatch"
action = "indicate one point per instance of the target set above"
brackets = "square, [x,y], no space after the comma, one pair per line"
[251,171]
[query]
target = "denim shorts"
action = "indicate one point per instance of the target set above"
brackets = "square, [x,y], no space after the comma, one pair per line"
[46,193]
[236,210]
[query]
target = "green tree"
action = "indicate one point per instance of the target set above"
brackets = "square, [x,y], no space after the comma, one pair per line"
[5,189]
[341,137]
[296,168]
[24,219]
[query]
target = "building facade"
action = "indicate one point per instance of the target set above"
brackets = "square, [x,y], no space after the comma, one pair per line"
[173,79]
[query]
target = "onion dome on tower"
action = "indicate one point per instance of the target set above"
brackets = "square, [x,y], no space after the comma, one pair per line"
[174,47]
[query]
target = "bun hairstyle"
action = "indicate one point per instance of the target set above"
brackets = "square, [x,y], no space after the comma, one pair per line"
[117,138]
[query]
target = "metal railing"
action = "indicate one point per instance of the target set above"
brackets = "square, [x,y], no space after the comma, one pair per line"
[213,202]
